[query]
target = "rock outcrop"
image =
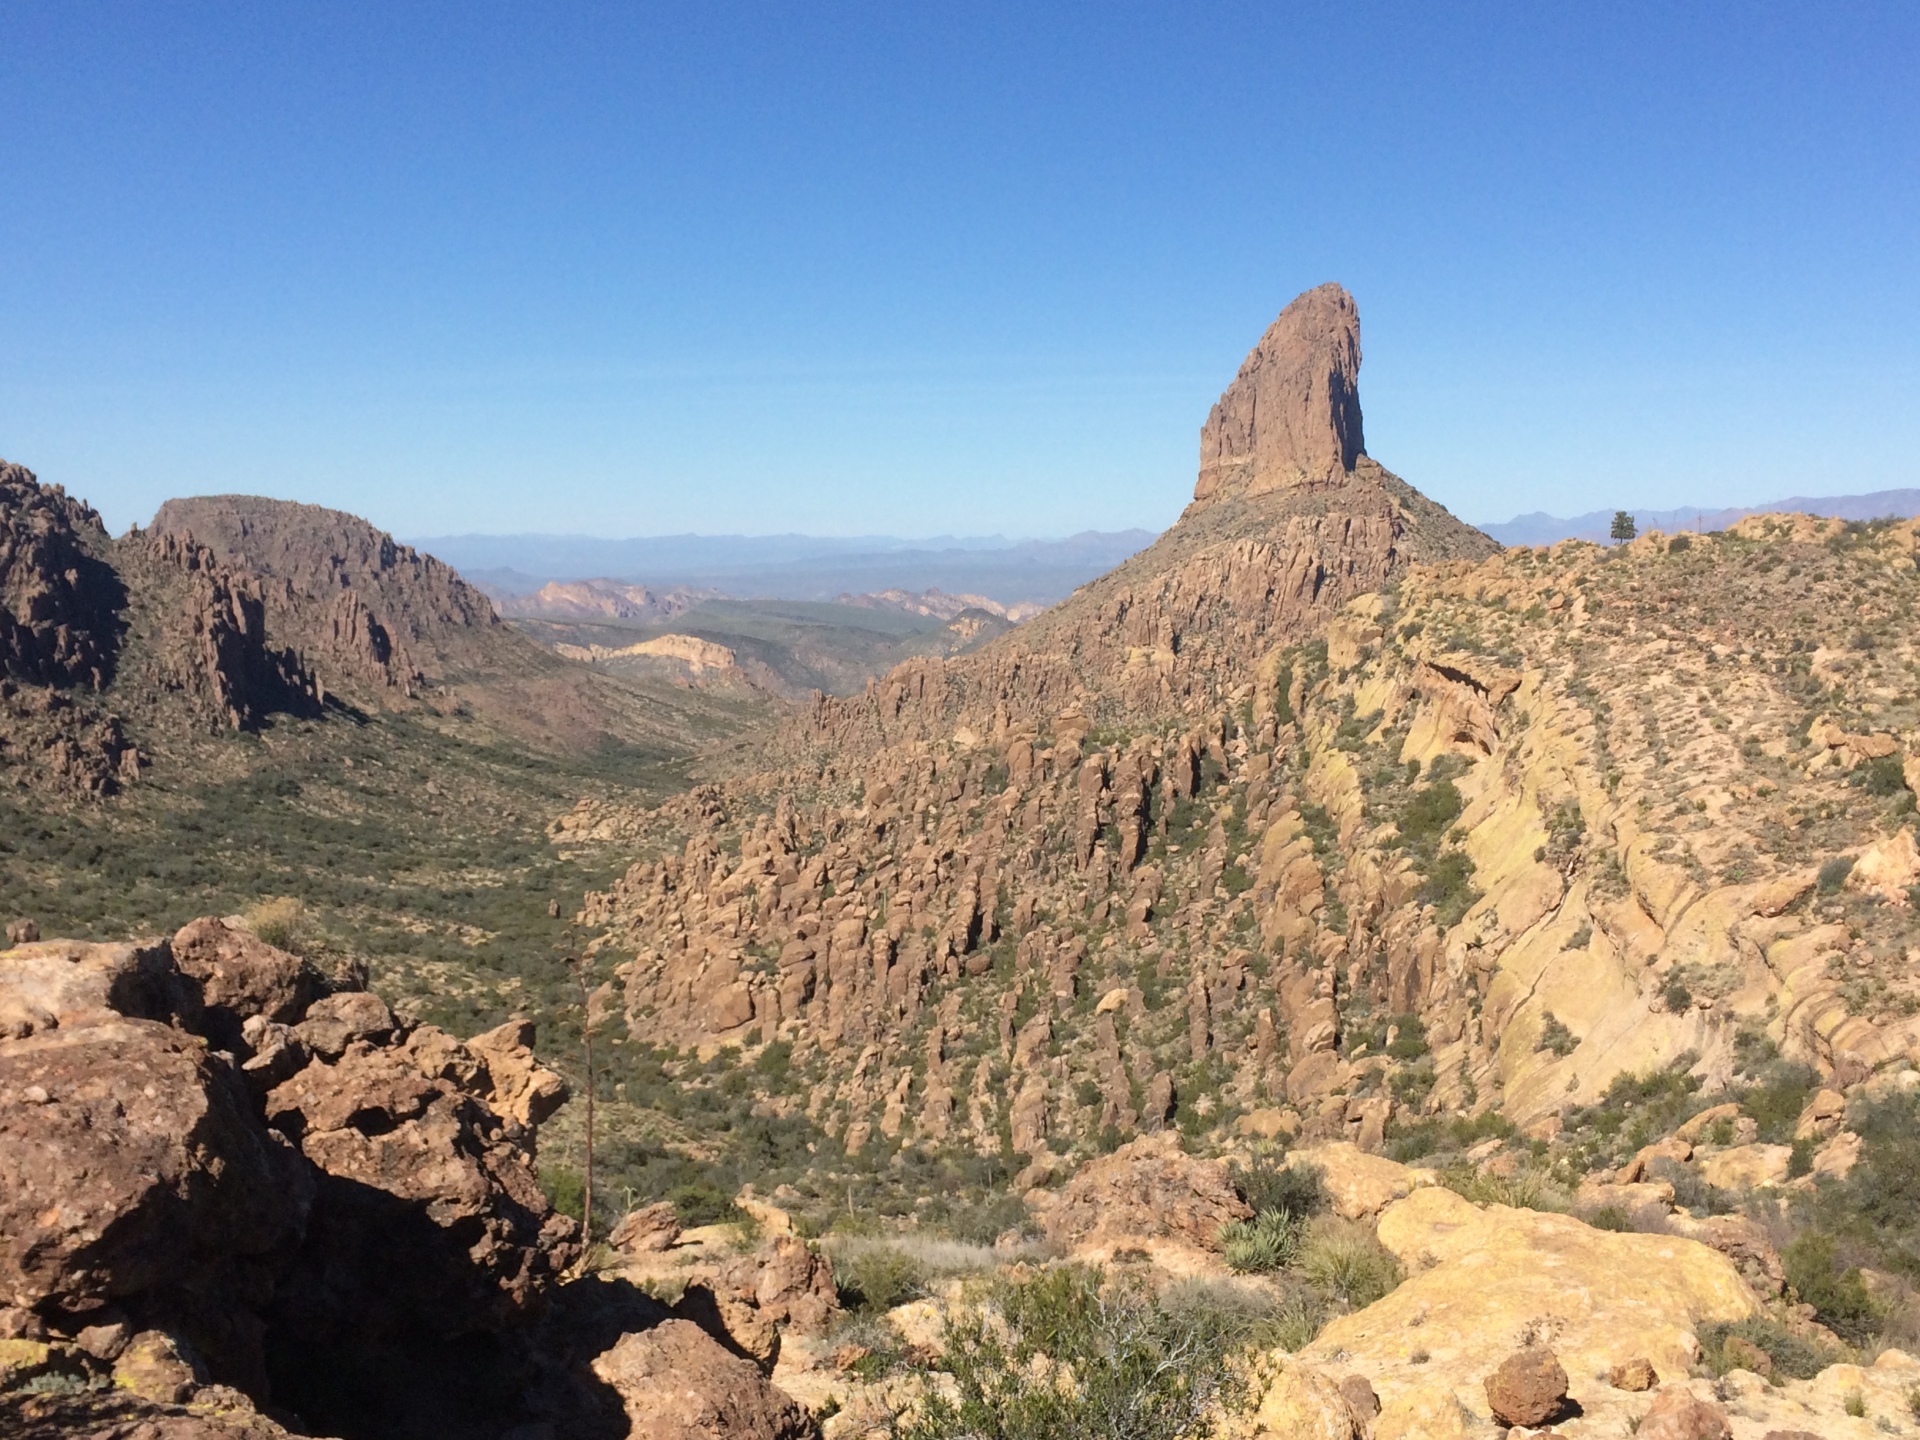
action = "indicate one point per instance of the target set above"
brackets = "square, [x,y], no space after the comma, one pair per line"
[1146,1191]
[1292,415]
[1290,521]
[224,1191]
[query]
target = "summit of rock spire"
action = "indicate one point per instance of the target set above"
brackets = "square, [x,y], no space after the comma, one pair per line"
[1292,414]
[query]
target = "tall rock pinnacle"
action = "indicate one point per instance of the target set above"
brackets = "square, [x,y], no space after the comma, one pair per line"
[1292,414]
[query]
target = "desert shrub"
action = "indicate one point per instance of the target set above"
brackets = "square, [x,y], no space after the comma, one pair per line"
[701,1202]
[1837,1292]
[873,1279]
[1775,1101]
[1834,874]
[1690,1190]
[982,1221]
[1882,777]
[1555,1036]
[1347,1265]
[285,923]
[1874,1213]
[1794,1356]
[1523,1190]
[1265,1243]
[1610,1217]
[566,1189]
[1416,1139]
[1800,1161]
[1449,887]
[1431,812]
[1296,1190]
[1062,1356]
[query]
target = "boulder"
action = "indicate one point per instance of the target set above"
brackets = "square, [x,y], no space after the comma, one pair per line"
[1529,1388]
[336,1022]
[522,1089]
[676,1383]
[1303,1403]
[1481,1274]
[240,976]
[1635,1374]
[649,1229]
[1148,1188]
[1362,1185]
[1746,1167]
[1677,1415]
[130,1161]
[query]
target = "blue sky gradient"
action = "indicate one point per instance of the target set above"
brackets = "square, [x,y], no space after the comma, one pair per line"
[639,269]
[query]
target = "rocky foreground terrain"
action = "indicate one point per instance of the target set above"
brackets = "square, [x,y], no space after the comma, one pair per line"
[1330,977]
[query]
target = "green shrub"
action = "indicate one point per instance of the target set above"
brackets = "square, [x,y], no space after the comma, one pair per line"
[1449,887]
[1263,1244]
[1882,777]
[701,1203]
[1610,1217]
[873,1279]
[1775,1102]
[1064,1356]
[1837,1292]
[1347,1265]
[1431,812]
[1296,1190]
[1555,1036]
[1794,1357]
[1834,873]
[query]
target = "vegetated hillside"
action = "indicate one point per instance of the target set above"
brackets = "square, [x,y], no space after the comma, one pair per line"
[790,648]
[1511,831]
[311,713]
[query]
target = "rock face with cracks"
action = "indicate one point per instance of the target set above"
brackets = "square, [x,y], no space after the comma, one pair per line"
[222,1189]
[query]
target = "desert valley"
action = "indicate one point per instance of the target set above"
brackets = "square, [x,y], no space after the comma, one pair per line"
[1330,975]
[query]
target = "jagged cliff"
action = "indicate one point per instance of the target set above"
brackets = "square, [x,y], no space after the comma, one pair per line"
[1402,841]
[1290,520]
[231,610]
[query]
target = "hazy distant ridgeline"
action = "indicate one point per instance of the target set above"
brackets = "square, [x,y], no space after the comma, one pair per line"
[1540,528]
[795,567]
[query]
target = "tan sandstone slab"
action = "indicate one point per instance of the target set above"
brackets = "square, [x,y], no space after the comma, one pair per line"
[1484,1281]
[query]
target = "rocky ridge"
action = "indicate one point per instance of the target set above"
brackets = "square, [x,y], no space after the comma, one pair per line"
[1308,522]
[233,1197]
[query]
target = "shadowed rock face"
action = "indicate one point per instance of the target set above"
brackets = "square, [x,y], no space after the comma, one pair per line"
[343,591]
[220,1190]
[1292,414]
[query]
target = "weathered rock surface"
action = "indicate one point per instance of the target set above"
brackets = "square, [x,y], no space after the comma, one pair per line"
[362,1242]
[1292,415]
[1498,1277]
[677,1383]
[1149,1189]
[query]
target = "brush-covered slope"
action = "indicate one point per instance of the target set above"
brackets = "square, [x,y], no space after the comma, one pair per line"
[1507,832]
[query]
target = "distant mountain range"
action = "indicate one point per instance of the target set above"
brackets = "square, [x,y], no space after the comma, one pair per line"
[795,567]
[1543,529]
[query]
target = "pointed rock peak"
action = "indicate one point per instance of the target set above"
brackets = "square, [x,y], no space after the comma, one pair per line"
[1292,415]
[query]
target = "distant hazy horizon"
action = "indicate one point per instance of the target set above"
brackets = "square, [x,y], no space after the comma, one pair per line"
[715,268]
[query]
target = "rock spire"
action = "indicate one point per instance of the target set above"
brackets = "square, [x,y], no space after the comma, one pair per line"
[1292,415]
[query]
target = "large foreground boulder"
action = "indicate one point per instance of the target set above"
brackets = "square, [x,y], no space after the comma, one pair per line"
[1148,1189]
[227,1194]
[677,1383]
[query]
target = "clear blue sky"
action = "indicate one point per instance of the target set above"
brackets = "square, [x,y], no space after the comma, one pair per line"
[914,268]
